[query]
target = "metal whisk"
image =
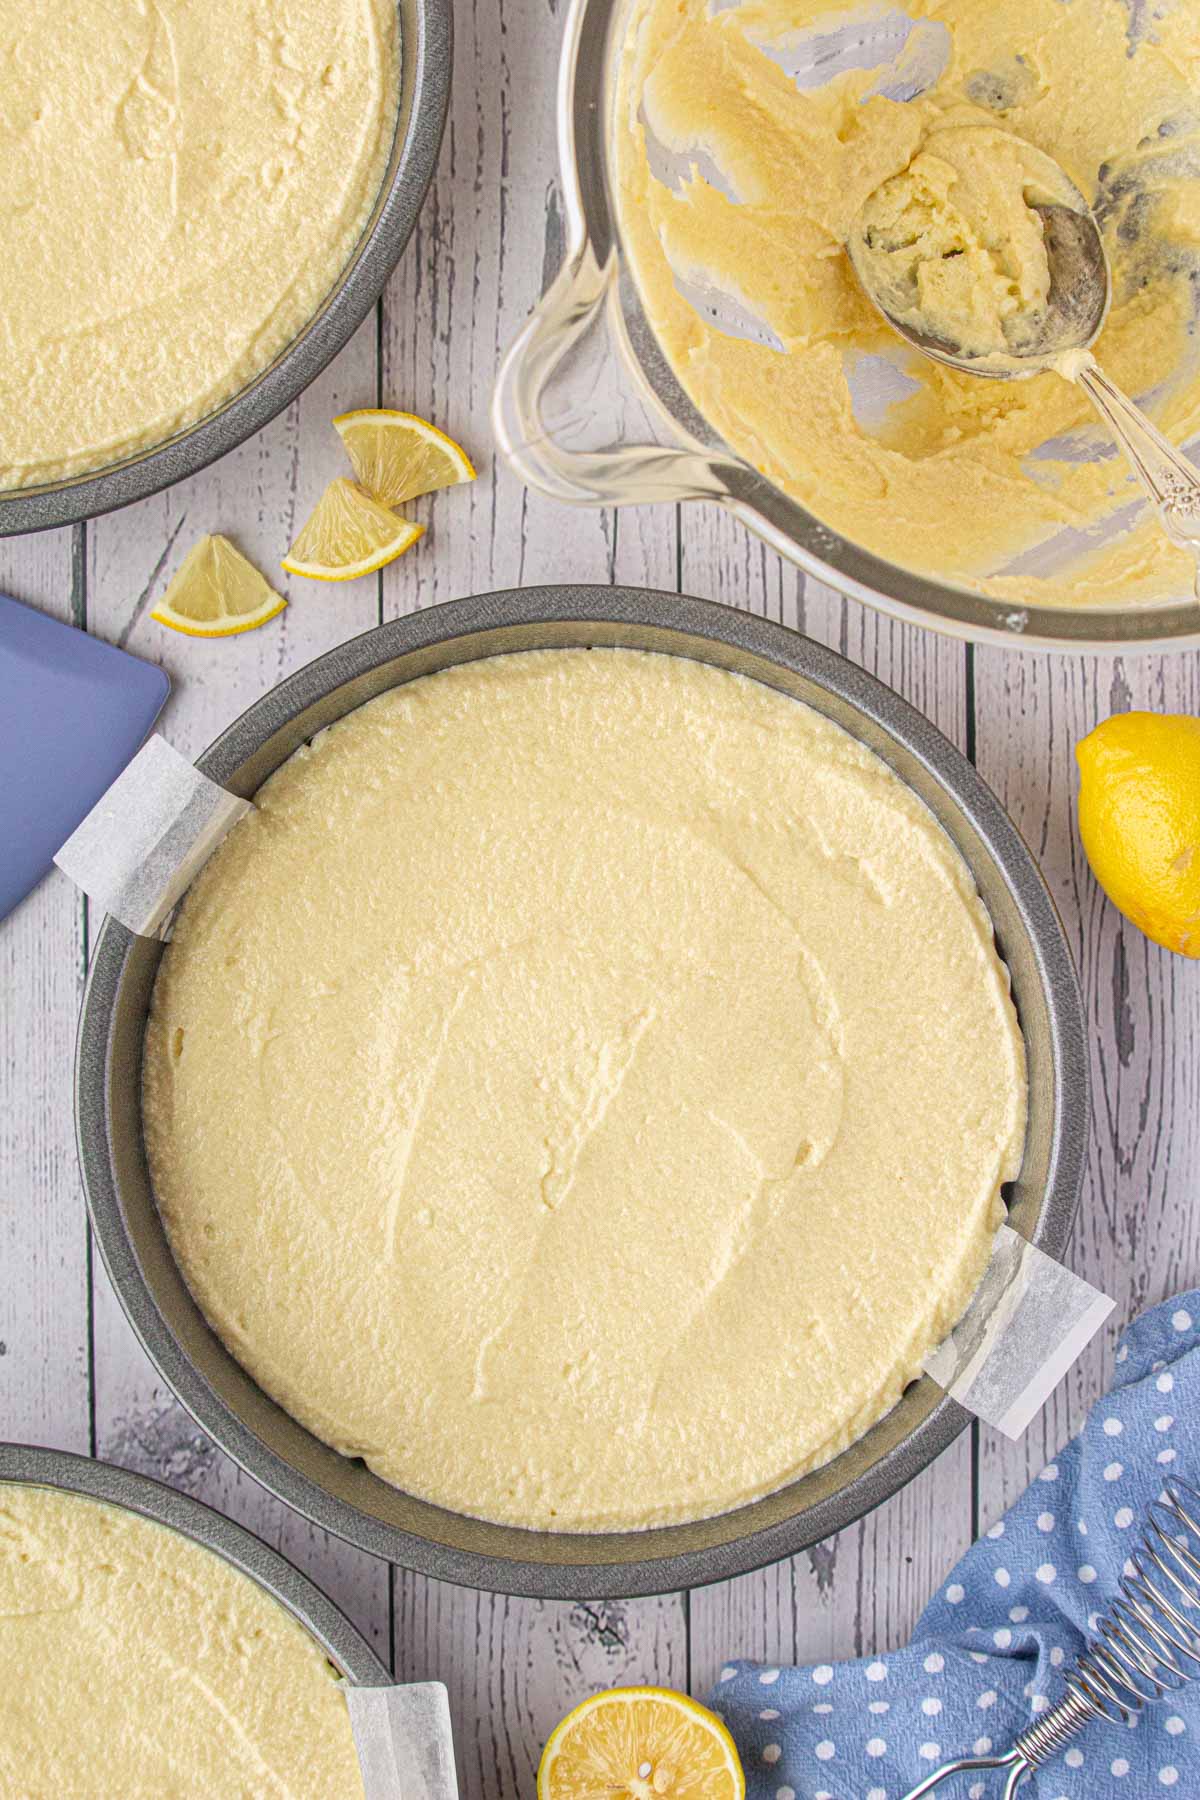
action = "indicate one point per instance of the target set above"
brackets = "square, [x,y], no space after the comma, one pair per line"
[1146,1645]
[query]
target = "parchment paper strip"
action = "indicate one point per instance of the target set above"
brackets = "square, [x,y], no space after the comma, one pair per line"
[1028,1321]
[148,836]
[404,1743]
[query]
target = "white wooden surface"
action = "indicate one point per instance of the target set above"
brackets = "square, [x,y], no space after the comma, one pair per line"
[70,1371]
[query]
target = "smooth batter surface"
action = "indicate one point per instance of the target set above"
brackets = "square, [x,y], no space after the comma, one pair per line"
[135,1663]
[583,1088]
[744,147]
[180,187]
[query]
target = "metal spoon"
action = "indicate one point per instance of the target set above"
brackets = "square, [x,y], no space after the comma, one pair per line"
[1080,290]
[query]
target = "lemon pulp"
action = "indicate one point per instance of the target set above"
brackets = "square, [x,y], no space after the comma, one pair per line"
[216,593]
[397,456]
[640,1743]
[349,533]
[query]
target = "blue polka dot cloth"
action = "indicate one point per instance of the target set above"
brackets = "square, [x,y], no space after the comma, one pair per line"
[990,1647]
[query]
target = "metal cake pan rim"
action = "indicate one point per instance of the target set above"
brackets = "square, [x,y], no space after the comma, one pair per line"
[658,1570]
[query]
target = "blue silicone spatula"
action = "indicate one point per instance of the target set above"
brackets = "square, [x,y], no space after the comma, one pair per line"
[73,711]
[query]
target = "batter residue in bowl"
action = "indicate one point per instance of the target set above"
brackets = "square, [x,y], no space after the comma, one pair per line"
[746,139]
[180,187]
[583,1088]
[954,248]
[134,1662]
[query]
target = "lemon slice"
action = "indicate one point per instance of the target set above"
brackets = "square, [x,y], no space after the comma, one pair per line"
[349,534]
[215,592]
[640,1743]
[397,456]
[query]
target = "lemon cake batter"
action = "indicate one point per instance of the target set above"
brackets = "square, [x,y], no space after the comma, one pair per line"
[180,187]
[741,162]
[134,1662]
[954,247]
[583,1088]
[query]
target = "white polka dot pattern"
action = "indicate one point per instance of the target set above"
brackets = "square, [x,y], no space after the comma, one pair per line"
[1003,1630]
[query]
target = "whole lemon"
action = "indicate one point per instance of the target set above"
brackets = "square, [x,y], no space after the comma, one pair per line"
[1139,818]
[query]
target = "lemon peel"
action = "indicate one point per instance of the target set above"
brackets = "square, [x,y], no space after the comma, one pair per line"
[1139,819]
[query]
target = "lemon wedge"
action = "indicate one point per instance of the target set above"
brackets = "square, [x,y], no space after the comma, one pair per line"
[1139,818]
[349,534]
[397,456]
[640,1743]
[215,592]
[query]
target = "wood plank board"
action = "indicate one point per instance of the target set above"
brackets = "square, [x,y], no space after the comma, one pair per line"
[71,1373]
[1137,1235]
[45,1300]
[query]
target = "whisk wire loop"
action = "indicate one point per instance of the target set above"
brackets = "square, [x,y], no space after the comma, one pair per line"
[1054,1730]
[1147,1644]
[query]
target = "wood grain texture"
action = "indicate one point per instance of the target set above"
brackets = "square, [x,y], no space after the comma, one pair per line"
[1137,1235]
[487,242]
[489,238]
[44,1298]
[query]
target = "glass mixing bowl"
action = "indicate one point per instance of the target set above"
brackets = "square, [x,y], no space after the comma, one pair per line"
[549,386]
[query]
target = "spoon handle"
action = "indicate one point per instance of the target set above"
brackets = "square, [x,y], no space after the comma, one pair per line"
[1172,482]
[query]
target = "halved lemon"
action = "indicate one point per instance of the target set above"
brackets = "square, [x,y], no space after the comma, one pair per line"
[640,1743]
[397,456]
[215,592]
[349,534]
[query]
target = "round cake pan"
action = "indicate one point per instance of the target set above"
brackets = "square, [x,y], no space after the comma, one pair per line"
[426,41]
[345,1647]
[344,1496]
